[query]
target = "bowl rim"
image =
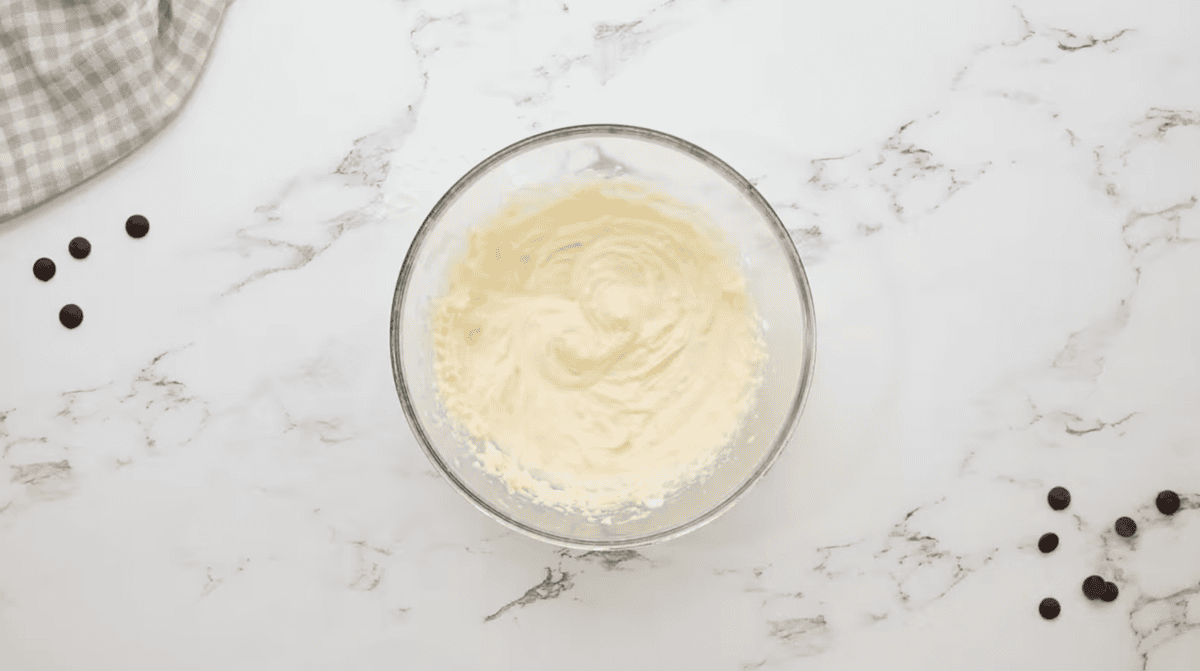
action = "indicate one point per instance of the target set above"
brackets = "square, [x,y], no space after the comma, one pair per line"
[808,338]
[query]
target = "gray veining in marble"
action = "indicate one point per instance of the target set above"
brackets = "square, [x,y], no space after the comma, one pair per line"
[997,208]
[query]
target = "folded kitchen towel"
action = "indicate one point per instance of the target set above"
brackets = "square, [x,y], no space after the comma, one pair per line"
[85,82]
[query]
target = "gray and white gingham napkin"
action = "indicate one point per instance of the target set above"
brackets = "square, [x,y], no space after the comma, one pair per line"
[85,82]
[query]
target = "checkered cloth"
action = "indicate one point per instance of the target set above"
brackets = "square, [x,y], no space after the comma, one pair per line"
[85,82]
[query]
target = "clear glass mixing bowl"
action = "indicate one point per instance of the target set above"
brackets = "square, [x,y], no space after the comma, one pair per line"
[775,279]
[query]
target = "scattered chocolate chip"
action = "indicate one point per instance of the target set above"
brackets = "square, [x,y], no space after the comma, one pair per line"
[80,248]
[1093,587]
[1167,501]
[1048,542]
[43,269]
[1059,498]
[1049,608]
[137,226]
[70,316]
[1110,592]
[1126,527]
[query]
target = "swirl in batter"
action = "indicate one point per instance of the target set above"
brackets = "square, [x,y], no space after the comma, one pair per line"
[600,348]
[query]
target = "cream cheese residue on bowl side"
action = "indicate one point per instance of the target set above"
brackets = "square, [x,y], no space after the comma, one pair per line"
[598,345]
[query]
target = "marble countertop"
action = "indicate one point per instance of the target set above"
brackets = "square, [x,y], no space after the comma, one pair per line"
[997,209]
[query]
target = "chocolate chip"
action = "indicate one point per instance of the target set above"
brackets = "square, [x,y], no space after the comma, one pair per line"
[1093,587]
[70,316]
[137,226]
[43,269]
[1126,527]
[1048,542]
[1059,498]
[1167,501]
[80,248]
[1110,592]
[1049,608]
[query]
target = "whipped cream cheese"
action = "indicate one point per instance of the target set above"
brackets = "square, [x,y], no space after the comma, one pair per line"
[599,346]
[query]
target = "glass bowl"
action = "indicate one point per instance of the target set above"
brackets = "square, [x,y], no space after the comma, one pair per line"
[775,280]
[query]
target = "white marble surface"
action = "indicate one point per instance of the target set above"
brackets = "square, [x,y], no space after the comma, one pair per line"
[997,207]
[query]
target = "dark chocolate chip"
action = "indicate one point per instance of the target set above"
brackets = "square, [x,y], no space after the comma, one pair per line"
[70,316]
[80,248]
[137,226]
[1110,592]
[1167,501]
[43,269]
[1049,608]
[1048,542]
[1059,498]
[1126,527]
[1093,587]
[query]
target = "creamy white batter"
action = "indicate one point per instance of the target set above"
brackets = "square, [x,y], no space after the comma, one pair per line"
[600,348]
